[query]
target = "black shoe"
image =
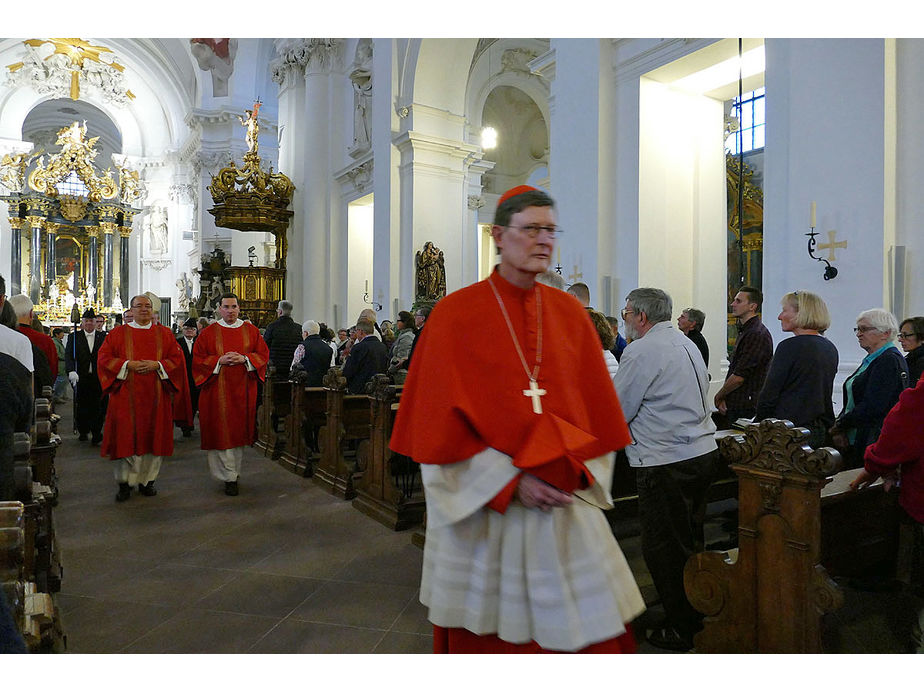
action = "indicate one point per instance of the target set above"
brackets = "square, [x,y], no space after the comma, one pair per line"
[83,436]
[147,489]
[231,488]
[125,492]
[96,441]
[668,638]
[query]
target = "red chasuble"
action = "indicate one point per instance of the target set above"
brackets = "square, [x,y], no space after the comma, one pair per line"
[139,419]
[228,400]
[464,391]
[183,414]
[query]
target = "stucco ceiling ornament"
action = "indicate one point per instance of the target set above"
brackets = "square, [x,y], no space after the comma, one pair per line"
[63,67]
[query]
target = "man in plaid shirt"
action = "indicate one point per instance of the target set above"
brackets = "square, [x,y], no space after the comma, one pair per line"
[748,365]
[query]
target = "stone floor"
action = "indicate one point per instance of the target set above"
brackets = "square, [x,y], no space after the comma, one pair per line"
[284,567]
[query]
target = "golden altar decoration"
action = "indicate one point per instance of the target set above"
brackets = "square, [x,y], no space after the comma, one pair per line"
[252,199]
[65,217]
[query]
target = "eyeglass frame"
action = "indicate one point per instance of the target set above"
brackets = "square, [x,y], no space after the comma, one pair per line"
[533,230]
[626,311]
[906,335]
[864,329]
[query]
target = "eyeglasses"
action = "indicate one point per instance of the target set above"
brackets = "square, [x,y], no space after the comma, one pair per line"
[864,328]
[625,312]
[533,230]
[906,335]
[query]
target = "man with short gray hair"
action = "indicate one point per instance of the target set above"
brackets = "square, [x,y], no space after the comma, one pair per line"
[282,336]
[691,323]
[662,385]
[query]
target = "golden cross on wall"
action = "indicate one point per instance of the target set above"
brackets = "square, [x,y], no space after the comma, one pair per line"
[575,275]
[832,245]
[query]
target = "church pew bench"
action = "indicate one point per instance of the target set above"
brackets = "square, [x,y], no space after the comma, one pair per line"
[273,414]
[797,524]
[344,438]
[306,415]
[390,489]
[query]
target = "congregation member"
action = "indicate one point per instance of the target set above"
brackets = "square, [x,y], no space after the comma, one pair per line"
[607,339]
[60,386]
[747,367]
[316,354]
[229,359]
[368,357]
[141,369]
[343,349]
[388,334]
[401,348]
[186,341]
[369,314]
[23,307]
[911,337]
[514,436]
[420,320]
[619,344]
[871,390]
[127,316]
[690,322]
[553,279]
[662,384]
[12,342]
[800,380]
[898,453]
[80,359]
[101,324]
[329,338]
[282,336]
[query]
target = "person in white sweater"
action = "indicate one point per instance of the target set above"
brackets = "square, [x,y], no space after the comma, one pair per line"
[607,339]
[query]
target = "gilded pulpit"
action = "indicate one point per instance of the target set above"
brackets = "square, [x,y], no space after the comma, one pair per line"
[70,228]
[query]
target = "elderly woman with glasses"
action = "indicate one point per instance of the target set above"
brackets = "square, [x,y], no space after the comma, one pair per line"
[801,374]
[911,337]
[873,389]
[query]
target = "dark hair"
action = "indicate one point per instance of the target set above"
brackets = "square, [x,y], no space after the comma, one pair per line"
[424,311]
[326,333]
[754,295]
[917,324]
[2,285]
[604,329]
[229,295]
[56,331]
[8,316]
[406,318]
[517,203]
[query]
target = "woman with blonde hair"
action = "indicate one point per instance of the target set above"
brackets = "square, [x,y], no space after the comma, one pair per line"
[800,379]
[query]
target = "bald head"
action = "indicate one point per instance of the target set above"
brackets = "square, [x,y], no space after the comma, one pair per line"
[581,292]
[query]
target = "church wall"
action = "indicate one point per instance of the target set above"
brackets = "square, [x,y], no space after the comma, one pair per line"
[825,133]
[910,171]
[681,203]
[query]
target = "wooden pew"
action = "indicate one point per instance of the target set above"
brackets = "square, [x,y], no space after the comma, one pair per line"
[770,594]
[273,414]
[307,413]
[44,447]
[344,438]
[390,490]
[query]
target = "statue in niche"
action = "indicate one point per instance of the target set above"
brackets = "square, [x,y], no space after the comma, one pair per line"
[215,56]
[184,291]
[431,273]
[156,224]
[91,294]
[361,78]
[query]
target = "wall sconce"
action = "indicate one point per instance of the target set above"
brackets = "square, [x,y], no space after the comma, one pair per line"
[375,306]
[830,270]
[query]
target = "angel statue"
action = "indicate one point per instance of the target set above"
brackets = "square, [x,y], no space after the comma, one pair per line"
[253,127]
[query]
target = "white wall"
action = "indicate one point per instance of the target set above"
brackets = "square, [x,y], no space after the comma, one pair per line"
[910,170]
[359,258]
[681,205]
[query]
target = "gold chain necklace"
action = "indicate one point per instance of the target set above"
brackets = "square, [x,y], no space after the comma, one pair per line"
[534,391]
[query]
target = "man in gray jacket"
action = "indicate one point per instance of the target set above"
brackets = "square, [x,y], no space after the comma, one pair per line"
[662,385]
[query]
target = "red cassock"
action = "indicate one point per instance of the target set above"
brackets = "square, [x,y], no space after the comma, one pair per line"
[228,401]
[46,344]
[464,393]
[183,414]
[139,419]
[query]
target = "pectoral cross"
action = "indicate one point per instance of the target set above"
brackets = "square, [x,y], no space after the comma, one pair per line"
[535,392]
[831,245]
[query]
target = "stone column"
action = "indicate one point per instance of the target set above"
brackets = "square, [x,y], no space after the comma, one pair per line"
[51,229]
[124,234]
[93,262]
[36,223]
[108,228]
[15,254]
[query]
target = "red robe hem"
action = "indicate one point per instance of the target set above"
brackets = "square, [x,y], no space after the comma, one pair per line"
[461,641]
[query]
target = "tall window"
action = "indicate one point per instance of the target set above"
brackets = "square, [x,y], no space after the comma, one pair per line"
[751,116]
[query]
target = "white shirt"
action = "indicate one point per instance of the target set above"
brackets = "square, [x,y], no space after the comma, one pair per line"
[17,345]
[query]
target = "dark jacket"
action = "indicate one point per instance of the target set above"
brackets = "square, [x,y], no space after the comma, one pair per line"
[915,361]
[316,360]
[697,338]
[15,396]
[77,356]
[367,358]
[282,336]
[875,392]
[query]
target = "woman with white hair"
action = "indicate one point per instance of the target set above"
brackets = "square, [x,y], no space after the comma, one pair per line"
[873,389]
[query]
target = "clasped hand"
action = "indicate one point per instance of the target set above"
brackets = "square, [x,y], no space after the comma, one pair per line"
[232,358]
[533,492]
[143,366]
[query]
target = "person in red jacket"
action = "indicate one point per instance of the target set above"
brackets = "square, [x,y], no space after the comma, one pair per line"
[899,452]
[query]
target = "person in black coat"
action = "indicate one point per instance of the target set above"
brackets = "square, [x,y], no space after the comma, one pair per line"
[80,363]
[691,322]
[911,337]
[873,389]
[186,341]
[318,354]
[366,358]
[282,336]
[15,416]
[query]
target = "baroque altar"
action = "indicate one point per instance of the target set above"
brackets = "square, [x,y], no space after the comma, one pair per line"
[70,228]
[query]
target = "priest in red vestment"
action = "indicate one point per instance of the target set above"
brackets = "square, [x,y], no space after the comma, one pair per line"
[141,368]
[229,357]
[514,426]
